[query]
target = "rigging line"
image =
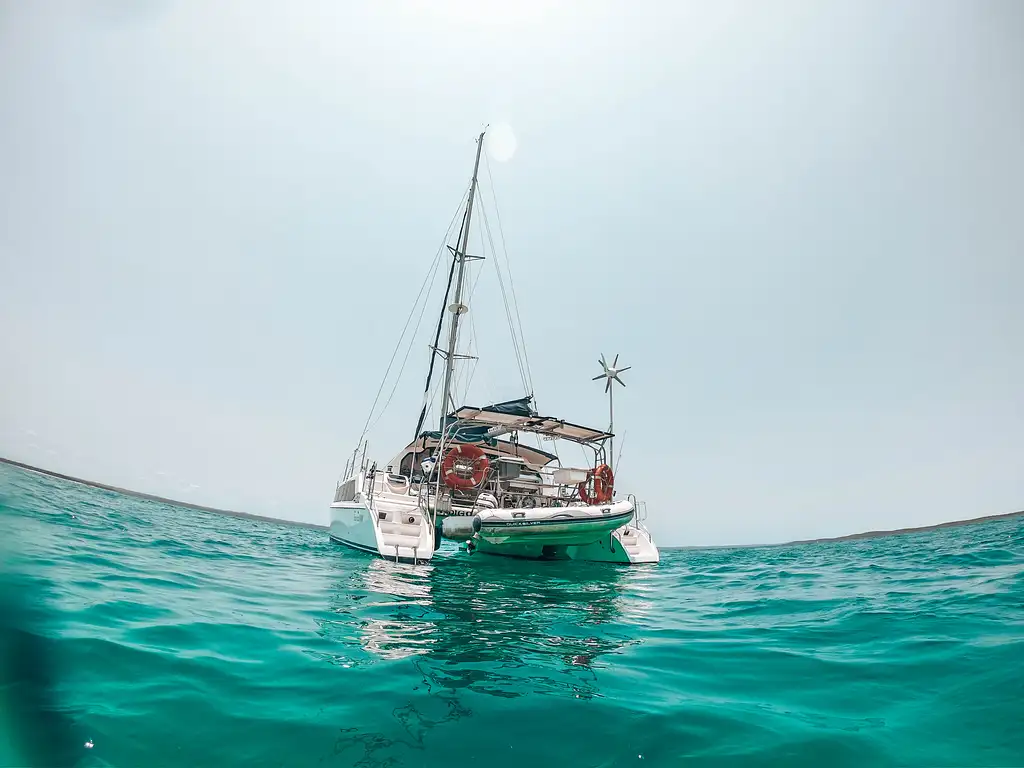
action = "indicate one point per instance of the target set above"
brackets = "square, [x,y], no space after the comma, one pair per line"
[618,459]
[460,376]
[465,341]
[398,346]
[412,341]
[474,336]
[474,344]
[412,311]
[440,319]
[460,390]
[433,397]
[517,344]
[504,248]
[429,407]
[434,352]
[504,296]
[469,380]
[479,274]
[466,378]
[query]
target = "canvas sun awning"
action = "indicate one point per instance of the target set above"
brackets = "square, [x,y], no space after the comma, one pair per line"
[518,415]
[532,455]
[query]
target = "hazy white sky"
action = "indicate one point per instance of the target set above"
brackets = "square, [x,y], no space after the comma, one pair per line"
[800,222]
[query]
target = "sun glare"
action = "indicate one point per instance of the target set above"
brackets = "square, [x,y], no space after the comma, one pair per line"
[500,142]
[489,13]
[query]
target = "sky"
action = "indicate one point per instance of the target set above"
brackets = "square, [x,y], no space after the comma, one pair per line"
[800,222]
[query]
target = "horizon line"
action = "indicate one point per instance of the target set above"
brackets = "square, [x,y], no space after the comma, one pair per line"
[317,526]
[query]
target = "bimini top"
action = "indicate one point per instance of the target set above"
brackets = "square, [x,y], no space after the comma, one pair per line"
[519,415]
[491,446]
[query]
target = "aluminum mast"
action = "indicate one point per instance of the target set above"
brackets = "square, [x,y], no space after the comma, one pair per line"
[457,308]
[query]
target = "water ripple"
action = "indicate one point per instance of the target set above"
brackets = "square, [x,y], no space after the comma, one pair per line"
[164,636]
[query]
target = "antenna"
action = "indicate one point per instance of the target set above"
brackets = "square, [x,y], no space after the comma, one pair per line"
[610,374]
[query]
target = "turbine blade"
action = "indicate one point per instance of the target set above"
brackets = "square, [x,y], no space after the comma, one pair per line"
[625,369]
[601,376]
[616,361]
[608,385]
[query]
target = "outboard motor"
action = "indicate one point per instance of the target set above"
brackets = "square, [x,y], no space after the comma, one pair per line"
[460,528]
[486,501]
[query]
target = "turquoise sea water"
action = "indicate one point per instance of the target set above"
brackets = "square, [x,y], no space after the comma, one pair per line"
[141,634]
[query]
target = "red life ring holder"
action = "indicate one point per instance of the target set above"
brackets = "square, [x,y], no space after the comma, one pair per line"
[604,484]
[473,453]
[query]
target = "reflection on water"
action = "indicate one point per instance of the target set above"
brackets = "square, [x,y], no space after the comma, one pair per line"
[463,627]
[507,628]
[137,634]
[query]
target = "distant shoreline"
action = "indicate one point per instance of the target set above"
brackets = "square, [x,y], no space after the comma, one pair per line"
[151,497]
[920,529]
[263,518]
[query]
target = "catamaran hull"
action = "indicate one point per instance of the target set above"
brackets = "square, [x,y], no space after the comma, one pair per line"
[400,535]
[352,525]
[391,525]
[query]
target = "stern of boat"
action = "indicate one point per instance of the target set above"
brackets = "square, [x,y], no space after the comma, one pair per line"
[376,513]
[629,545]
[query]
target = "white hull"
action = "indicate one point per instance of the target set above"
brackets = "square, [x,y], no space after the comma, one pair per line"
[391,525]
[395,529]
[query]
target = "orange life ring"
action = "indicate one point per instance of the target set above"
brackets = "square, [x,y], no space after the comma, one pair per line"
[604,484]
[456,478]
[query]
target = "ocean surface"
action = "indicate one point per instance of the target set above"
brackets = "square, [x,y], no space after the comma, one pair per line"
[141,634]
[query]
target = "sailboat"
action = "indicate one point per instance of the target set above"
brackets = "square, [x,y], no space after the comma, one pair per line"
[476,480]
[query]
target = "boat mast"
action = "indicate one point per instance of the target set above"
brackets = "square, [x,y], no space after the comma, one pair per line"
[457,308]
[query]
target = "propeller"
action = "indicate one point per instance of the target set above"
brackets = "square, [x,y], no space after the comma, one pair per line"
[611,373]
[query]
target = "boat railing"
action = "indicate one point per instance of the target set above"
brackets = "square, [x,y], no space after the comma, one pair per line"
[640,515]
[370,485]
[370,482]
[515,493]
[526,494]
[641,510]
[346,491]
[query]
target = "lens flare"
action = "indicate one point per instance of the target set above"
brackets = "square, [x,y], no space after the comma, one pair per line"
[500,142]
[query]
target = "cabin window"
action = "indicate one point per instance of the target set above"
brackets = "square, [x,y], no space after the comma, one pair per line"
[406,465]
